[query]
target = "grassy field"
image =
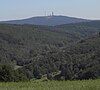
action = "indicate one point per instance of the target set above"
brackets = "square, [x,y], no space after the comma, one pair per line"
[52,85]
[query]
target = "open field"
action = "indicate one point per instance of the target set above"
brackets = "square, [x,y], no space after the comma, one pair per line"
[52,85]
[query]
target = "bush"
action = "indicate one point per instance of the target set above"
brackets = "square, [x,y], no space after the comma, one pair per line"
[6,73]
[20,76]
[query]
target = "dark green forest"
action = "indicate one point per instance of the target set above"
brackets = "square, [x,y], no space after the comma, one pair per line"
[71,51]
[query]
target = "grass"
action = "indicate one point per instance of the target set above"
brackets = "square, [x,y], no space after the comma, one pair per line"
[52,85]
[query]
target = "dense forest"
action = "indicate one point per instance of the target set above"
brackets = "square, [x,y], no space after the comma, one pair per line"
[32,51]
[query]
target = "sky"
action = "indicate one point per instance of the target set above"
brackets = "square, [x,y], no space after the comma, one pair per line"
[19,9]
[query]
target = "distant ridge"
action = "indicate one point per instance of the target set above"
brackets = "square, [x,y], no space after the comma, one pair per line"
[47,20]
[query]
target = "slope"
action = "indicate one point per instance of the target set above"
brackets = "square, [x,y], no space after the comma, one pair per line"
[47,20]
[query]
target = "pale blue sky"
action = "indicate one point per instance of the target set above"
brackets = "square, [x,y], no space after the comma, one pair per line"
[17,9]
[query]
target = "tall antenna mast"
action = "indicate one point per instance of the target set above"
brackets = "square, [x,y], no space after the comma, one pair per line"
[52,14]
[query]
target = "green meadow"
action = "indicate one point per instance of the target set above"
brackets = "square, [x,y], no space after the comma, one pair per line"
[52,85]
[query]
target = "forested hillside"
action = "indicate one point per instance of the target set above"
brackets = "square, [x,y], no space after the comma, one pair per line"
[51,20]
[19,41]
[31,51]
[84,60]
[84,29]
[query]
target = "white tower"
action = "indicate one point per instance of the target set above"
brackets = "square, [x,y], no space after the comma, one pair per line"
[52,14]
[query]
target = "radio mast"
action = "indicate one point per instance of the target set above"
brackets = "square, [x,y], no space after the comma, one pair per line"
[52,14]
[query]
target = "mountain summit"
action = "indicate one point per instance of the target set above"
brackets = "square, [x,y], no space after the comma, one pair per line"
[47,20]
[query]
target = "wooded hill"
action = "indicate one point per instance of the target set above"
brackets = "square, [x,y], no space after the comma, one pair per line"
[33,51]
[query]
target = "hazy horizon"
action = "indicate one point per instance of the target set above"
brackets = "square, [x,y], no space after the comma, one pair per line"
[21,9]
